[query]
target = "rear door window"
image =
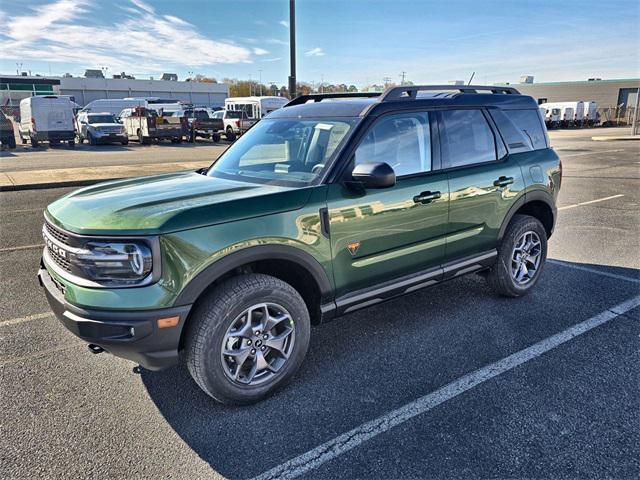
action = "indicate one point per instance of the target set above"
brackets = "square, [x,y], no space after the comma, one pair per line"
[528,121]
[467,138]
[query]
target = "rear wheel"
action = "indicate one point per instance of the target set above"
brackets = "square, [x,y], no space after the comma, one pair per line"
[12,142]
[521,257]
[71,144]
[247,338]
[215,137]
[34,142]
[231,135]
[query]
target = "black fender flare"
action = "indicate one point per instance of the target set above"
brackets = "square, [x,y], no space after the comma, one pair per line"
[217,269]
[533,196]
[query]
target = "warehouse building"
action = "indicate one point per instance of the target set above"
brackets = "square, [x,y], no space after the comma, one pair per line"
[14,88]
[616,98]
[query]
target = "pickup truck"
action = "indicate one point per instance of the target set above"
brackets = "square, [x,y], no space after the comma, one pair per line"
[146,125]
[201,123]
[236,122]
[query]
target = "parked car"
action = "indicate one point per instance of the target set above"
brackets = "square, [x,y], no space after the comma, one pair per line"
[201,123]
[322,208]
[236,122]
[7,134]
[47,118]
[100,128]
[146,125]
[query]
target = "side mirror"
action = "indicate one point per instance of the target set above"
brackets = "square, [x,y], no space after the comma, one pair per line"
[374,175]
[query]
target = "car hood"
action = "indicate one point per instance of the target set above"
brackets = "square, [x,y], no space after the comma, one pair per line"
[101,125]
[168,203]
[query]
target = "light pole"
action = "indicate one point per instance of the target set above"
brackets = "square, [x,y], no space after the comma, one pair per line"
[292,48]
[260,80]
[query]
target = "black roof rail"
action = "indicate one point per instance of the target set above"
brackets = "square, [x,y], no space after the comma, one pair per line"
[410,92]
[318,97]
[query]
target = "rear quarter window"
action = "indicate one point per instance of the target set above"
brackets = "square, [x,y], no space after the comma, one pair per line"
[528,122]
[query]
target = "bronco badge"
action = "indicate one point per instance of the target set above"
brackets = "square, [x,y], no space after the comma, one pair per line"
[353,247]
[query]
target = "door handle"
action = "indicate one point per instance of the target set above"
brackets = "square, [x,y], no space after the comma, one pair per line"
[426,197]
[503,181]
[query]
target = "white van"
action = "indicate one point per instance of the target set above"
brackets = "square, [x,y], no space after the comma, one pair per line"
[255,107]
[113,105]
[590,113]
[551,114]
[47,118]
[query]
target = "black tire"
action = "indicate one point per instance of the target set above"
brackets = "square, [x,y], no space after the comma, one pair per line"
[215,137]
[92,140]
[230,135]
[216,313]
[34,142]
[71,144]
[125,142]
[12,142]
[500,277]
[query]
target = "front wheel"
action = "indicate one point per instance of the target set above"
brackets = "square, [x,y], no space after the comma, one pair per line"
[521,257]
[247,338]
[230,134]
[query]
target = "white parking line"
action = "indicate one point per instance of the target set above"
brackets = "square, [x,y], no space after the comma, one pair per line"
[593,270]
[591,201]
[23,247]
[28,318]
[300,465]
[585,153]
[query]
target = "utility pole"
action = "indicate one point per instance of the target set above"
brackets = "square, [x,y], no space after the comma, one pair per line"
[386,81]
[250,86]
[292,48]
[402,75]
[260,77]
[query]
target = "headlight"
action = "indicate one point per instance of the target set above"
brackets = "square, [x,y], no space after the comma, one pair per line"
[102,262]
[114,261]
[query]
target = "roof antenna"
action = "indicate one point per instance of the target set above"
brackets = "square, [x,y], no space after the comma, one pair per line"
[472,75]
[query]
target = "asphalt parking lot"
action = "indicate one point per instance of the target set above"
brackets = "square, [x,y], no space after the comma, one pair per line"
[451,382]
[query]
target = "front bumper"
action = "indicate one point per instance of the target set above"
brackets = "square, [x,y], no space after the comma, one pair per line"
[110,137]
[133,335]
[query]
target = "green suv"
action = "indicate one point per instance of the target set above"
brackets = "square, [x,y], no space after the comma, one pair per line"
[328,205]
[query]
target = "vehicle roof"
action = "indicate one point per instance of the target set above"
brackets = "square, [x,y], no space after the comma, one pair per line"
[359,107]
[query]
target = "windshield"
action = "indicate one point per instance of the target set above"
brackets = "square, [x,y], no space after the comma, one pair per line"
[283,151]
[101,119]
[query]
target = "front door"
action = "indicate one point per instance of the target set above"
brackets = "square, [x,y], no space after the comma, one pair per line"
[381,234]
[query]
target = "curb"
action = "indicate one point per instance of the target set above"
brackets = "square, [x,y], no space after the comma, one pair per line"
[42,186]
[612,139]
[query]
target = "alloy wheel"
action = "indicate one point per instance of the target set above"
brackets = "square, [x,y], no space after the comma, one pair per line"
[525,258]
[258,344]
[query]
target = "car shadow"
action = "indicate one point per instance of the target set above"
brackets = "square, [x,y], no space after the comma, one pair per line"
[375,360]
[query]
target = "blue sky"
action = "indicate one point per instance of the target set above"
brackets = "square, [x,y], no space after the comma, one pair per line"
[346,41]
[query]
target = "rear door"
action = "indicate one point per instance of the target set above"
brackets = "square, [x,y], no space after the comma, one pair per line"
[484,181]
[378,235]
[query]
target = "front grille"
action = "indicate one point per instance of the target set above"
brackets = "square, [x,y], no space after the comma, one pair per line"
[60,261]
[57,234]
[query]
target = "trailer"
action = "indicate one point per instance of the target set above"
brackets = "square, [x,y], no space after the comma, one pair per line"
[551,114]
[590,113]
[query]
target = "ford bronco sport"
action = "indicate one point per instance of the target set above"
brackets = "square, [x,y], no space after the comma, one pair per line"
[326,206]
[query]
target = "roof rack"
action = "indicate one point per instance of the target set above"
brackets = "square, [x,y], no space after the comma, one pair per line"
[407,92]
[318,97]
[411,92]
